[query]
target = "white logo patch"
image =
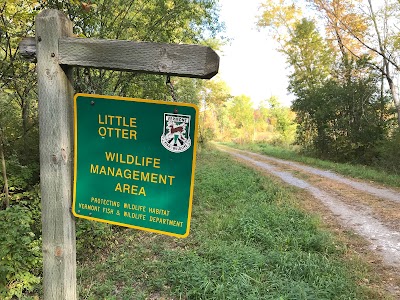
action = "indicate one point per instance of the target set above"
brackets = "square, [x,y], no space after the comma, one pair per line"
[176,133]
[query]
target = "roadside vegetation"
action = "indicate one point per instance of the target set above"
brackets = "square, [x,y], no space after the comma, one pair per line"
[248,240]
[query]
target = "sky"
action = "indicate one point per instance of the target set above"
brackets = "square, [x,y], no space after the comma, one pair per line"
[250,64]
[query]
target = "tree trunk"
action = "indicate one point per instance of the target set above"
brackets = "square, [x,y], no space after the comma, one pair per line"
[4,171]
[392,85]
[25,115]
[395,96]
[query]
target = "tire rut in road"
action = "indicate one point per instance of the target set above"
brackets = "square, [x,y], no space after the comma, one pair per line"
[361,186]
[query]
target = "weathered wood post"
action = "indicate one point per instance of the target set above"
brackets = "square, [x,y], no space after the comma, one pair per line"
[56,157]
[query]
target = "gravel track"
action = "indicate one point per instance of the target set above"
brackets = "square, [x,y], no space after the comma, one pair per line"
[383,239]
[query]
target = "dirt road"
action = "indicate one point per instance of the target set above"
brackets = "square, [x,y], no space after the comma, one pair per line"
[369,210]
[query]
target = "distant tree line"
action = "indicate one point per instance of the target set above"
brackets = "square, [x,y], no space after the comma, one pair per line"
[236,118]
[344,73]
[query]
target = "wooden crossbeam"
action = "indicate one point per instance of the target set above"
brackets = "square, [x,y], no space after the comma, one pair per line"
[194,61]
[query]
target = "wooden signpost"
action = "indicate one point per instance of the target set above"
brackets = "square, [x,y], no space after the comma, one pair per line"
[56,52]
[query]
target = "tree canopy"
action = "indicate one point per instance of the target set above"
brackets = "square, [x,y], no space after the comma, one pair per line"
[344,71]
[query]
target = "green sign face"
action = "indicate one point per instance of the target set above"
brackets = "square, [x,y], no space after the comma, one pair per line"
[134,162]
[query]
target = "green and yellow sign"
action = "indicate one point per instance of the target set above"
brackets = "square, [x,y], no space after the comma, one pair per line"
[134,162]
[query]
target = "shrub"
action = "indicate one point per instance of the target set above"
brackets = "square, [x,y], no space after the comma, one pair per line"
[91,236]
[389,153]
[20,252]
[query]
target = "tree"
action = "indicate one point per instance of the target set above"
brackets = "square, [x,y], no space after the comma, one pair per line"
[17,78]
[341,116]
[343,121]
[280,17]
[283,120]
[242,116]
[173,21]
[4,171]
[337,13]
[309,57]
[213,97]
[377,40]
[216,91]
[305,50]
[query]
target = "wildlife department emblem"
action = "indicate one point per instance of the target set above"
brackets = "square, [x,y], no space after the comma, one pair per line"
[176,133]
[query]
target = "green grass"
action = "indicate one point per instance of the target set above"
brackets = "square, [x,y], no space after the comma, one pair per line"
[357,171]
[247,241]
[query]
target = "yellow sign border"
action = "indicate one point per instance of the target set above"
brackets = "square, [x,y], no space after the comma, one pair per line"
[193,160]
